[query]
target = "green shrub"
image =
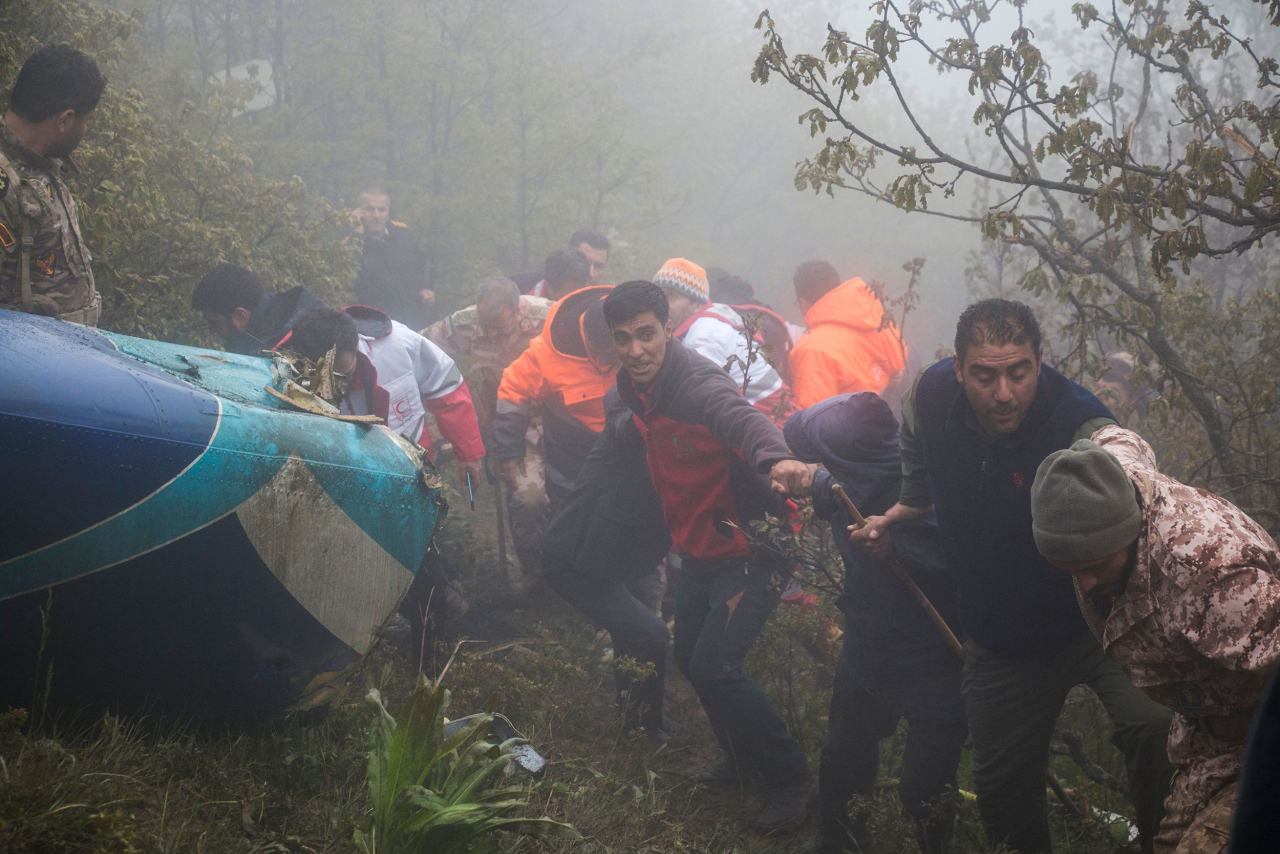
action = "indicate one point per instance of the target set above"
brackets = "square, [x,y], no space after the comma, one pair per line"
[441,794]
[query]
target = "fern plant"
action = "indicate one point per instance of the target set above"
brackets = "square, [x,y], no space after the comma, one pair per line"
[438,794]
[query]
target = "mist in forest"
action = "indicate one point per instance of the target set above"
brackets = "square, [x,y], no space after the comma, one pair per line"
[499,128]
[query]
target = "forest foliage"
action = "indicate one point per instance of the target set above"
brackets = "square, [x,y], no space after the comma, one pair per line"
[494,147]
[166,191]
[1128,177]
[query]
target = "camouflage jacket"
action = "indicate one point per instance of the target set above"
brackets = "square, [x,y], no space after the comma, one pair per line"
[460,334]
[33,188]
[1197,625]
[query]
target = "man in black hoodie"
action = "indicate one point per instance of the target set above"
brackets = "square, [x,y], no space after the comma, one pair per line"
[599,553]
[246,319]
[895,663]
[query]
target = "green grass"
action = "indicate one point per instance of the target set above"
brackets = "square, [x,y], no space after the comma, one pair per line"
[155,785]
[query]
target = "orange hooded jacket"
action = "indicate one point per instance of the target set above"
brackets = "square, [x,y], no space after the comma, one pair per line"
[845,350]
[556,375]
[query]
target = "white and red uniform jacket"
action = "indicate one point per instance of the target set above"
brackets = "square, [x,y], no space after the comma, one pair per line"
[402,377]
[717,332]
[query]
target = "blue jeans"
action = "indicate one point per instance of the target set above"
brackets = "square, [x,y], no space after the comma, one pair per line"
[721,607]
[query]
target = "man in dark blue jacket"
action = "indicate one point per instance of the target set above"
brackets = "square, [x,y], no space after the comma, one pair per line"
[895,662]
[974,430]
[246,319]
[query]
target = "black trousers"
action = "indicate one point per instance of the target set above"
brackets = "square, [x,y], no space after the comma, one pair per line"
[1013,705]
[621,609]
[424,604]
[721,608]
[851,759]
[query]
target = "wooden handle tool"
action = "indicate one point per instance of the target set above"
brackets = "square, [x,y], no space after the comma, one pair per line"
[906,579]
[946,631]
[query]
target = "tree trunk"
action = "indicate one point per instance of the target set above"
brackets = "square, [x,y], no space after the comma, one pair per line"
[197,35]
[277,52]
[384,84]
[228,35]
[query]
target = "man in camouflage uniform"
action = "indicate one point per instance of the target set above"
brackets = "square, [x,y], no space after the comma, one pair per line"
[492,334]
[44,261]
[1183,590]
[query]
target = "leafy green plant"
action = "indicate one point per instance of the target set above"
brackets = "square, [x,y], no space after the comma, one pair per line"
[438,793]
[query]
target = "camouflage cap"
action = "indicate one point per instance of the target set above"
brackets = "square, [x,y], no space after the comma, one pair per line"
[1083,505]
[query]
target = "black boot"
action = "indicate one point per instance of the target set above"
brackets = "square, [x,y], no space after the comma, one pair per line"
[720,772]
[936,834]
[784,806]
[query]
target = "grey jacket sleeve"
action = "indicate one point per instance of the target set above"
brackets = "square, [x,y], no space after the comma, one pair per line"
[726,413]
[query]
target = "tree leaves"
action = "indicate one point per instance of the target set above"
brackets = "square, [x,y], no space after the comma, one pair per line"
[1133,184]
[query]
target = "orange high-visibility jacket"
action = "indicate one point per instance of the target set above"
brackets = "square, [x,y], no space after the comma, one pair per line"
[557,375]
[845,350]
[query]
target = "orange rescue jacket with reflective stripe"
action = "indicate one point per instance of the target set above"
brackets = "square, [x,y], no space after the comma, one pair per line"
[546,374]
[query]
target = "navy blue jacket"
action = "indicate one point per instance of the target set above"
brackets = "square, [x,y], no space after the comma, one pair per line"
[1012,600]
[891,645]
[273,320]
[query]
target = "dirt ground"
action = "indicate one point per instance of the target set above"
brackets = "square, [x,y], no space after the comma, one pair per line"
[118,786]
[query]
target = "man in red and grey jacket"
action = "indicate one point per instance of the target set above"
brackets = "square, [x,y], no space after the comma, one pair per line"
[718,464]
[397,375]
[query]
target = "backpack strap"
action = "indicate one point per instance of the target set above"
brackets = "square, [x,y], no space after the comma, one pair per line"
[25,244]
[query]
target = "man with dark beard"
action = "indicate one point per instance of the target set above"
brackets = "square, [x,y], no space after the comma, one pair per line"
[44,260]
[974,429]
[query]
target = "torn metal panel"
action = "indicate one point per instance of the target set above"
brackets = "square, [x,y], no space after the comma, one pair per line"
[206,543]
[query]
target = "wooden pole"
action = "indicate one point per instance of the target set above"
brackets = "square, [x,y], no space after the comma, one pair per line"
[906,579]
[500,507]
[952,640]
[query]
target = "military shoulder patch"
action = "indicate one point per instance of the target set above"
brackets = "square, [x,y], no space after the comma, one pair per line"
[4,183]
[6,236]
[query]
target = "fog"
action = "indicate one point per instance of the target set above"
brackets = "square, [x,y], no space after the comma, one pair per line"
[499,128]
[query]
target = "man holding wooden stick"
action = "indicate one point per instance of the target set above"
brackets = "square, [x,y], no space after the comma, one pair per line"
[975,429]
[895,662]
